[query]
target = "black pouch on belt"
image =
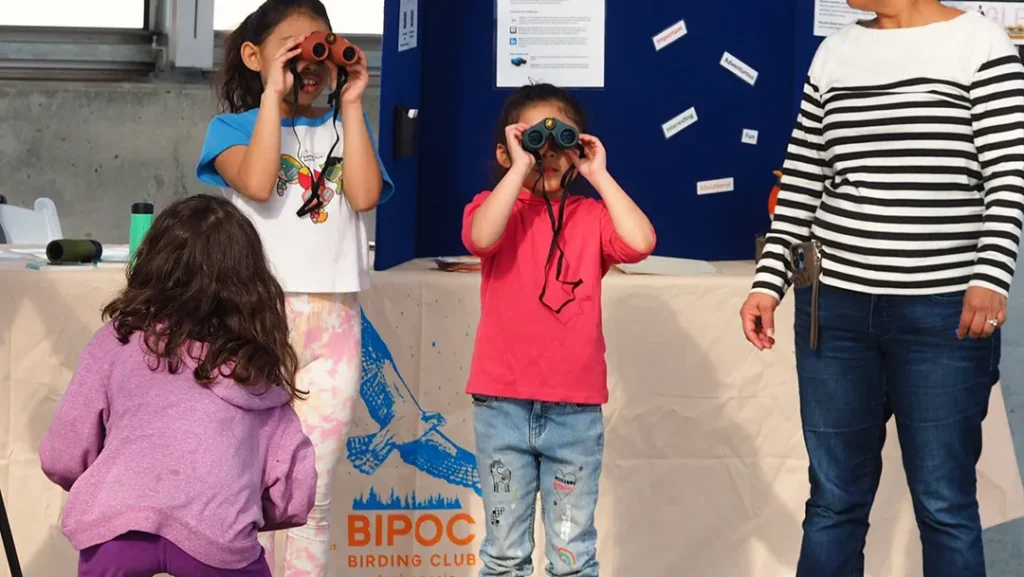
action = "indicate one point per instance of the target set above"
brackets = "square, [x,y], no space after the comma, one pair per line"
[807,274]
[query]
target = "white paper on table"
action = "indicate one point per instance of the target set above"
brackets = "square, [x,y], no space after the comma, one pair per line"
[560,42]
[114,253]
[669,266]
[34,251]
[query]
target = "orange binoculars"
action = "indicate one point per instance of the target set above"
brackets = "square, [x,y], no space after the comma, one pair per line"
[321,46]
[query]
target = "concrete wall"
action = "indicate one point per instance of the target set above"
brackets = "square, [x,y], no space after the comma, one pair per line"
[95,148]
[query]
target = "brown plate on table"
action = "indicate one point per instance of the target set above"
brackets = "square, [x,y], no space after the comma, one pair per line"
[458,263]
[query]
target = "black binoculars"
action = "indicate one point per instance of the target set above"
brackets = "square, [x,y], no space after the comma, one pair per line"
[561,134]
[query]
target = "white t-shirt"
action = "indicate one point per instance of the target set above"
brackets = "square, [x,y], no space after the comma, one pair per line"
[326,251]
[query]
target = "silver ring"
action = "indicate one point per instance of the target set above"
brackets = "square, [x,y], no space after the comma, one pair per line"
[993,322]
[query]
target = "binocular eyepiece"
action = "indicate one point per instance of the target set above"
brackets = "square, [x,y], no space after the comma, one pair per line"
[561,134]
[320,46]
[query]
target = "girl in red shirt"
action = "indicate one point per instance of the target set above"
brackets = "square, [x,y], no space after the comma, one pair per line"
[538,376]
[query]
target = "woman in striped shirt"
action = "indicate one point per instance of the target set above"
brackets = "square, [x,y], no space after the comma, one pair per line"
[906,172]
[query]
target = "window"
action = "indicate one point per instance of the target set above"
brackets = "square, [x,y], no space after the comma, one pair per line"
[130,14]
[363,17]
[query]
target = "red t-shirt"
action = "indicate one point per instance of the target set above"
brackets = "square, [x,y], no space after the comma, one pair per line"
[523,349]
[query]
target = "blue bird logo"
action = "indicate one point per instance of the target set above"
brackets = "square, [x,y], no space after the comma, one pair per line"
[405,426]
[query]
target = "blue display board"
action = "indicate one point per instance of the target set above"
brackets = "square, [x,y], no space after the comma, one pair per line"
[450,77]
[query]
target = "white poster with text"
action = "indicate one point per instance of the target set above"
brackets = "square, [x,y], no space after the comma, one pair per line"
[555,41]
[832,15]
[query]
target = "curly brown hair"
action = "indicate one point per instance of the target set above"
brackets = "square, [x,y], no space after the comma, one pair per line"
[201,277]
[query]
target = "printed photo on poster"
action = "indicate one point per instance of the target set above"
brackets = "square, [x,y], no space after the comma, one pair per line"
[555,41]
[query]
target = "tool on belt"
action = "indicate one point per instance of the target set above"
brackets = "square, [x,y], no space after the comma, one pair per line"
[806,258]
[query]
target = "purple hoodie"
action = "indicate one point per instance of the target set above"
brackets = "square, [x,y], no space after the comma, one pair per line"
[204,467]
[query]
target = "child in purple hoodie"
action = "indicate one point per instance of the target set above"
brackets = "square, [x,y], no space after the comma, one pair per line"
[176,437]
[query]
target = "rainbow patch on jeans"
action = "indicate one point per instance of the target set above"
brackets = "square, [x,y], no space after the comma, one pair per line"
[566,556]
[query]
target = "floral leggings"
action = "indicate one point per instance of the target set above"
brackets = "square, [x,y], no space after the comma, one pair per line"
[326,335]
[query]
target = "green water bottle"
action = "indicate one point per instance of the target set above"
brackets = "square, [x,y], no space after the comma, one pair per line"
[142,219]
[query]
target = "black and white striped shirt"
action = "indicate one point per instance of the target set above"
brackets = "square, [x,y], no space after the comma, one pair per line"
[907,162]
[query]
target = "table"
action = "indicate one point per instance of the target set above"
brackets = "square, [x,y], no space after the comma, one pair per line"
[705,471]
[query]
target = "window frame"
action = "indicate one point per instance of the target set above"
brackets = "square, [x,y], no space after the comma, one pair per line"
[116,54]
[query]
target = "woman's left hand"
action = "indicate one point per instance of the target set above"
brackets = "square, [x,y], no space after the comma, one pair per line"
[358,79]
[594,161]
[984,312]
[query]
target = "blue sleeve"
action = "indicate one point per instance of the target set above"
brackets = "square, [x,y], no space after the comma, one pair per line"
[225,131]
[389,185]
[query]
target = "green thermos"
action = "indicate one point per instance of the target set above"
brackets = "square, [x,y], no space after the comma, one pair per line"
[142,219]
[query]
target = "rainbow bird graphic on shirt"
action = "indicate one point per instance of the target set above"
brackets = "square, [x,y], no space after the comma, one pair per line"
[294,172]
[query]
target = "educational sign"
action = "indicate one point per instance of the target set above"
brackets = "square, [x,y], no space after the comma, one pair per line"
[832,15]
[407,26]
[555,41]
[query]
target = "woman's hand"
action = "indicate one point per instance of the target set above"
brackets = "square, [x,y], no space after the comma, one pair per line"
[517,155]
[358,79]
[279,78]
[984,312]
[594,162]
[758,314]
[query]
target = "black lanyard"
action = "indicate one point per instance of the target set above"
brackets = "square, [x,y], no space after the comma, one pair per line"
[557,224]
[315,201]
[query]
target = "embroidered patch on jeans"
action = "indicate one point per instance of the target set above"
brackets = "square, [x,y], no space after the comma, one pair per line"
[496,514]
[565,483]
[501,476]
[566,556]
[565,527]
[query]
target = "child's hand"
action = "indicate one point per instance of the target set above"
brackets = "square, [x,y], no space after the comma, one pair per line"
[517,156]
[279,78]
[358,79]
[594,162]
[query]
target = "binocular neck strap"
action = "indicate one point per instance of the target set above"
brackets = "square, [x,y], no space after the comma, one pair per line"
[315,201]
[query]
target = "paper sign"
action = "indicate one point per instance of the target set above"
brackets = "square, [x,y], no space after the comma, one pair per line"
[408,15]
[715,186]
[555,41]
[670,35]
[833,15]
[674,126]
[749,136]
[737,67]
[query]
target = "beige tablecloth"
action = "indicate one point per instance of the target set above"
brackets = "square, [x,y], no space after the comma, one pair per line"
[705,472]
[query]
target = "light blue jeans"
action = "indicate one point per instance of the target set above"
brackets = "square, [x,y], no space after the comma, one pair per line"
[523,447]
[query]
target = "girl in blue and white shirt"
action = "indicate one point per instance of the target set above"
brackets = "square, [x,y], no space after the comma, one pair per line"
[305,177]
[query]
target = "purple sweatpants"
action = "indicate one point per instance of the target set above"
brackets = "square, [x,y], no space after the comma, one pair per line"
[145,555]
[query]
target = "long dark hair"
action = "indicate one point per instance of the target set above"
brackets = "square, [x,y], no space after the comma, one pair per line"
[201,278]
[239,88]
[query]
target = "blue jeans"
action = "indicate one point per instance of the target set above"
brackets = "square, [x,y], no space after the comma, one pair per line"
[880,356]
[526,446]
